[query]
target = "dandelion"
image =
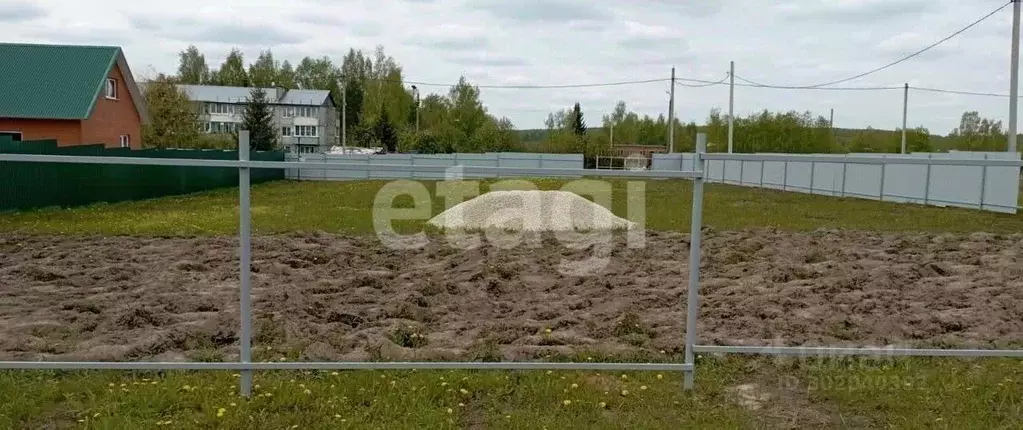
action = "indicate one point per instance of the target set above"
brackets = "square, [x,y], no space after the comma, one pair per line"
[624,376]
[548,331]
[461,405]
[233,405]
[642,387]
[589,358]
[660,376]
[284,359]
[549,372]
[220,412]
[450,410]
[301,385]
[463,391]
[111,385]
[443,384]
[602,405]
[567,402]
[307,391]
[186,388]
[237,375]
[625,392]
[575,385]
[663,352]
[507,417]
[337,415]
[256,387]
[334,373]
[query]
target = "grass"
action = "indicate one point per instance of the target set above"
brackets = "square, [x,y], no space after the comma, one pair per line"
[732,391]
[345,207]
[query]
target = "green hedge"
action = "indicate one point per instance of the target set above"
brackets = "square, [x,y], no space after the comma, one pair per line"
[36,185]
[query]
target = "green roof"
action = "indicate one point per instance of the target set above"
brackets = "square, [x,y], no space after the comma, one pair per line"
[52,81]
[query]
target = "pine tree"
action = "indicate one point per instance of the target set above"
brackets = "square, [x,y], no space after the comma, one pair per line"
[258,120]
[578,125]
[385,132]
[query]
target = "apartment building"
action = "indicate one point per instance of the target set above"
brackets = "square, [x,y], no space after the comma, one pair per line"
[307,121]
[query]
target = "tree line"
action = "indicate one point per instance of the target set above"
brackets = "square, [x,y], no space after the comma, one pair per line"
[765,131]
[380,110]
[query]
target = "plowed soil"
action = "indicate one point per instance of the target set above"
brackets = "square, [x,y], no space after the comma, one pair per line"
[328,297]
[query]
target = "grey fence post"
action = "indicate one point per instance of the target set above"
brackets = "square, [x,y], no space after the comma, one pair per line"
[927,184]
[844,164]
[813,170]
[245,263]
[761,173]
[785,176]
[693,297]
[983,182]
[742,166]
[883,169]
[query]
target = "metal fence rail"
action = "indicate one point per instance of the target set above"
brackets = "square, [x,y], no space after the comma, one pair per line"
[245,364]
[688,367]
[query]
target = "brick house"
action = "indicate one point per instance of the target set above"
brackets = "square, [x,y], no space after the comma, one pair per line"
[71,93]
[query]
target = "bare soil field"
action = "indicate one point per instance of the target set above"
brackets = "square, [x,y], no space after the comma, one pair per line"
[328,297]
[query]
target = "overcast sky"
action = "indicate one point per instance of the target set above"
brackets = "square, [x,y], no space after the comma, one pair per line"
[794,42]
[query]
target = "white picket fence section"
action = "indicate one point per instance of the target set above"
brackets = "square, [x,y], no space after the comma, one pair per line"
[375,165]
[991,188]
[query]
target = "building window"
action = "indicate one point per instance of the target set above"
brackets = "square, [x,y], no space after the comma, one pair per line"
[111,88]
[305,130]
[305,112]
[220,127]
[224,108]
[287,112]
[14,135]
[286,131]
[125,141]
[307,149]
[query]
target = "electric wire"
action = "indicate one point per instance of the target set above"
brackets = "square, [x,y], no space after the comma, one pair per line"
[896,62]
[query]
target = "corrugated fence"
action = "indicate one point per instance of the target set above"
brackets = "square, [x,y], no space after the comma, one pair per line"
[37,185]
[992,188]
[375,164]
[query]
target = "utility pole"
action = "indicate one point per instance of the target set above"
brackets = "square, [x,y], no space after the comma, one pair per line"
[416,91]
[731,103]
[671,115]
[612,133]
[905,111]
[1014,76]
[344,118]
[831,126]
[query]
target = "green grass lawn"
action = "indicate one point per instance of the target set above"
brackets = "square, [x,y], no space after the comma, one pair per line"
[732,391]
[345,207]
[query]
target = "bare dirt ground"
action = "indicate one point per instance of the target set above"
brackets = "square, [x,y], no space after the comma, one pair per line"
[326,297]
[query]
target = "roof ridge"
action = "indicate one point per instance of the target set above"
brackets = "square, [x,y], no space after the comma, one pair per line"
[59,45]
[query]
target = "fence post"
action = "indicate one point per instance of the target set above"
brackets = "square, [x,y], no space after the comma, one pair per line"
[693,297]
[983,182]
[813,170]
[844,164]
[761,173]
[742,166]
[883,168]
[785,176]
[245,263]
[927,184]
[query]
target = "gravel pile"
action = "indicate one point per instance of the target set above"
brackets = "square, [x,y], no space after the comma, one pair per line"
[530,211]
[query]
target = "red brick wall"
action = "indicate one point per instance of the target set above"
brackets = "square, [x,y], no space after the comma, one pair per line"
[112,118]
[66,132]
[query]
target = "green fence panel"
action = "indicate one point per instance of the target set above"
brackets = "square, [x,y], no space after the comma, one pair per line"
[36,185]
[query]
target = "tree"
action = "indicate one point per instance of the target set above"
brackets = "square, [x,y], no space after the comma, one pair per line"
[263,73]
[174,123]
[385,132]
[258,120]
[232,72]
[192,67]
[578,125]
[286,76]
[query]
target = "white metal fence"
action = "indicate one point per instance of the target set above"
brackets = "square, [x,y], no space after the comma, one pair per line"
[987,181]
[375,166]
[246,366]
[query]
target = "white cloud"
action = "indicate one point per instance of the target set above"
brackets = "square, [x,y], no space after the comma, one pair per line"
[521,42]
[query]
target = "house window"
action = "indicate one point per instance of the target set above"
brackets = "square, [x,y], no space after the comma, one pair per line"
[287,112]
[111,89]
[125,141]
[305,111]
[307,149]
[285,131]
[305,130]
[14,135]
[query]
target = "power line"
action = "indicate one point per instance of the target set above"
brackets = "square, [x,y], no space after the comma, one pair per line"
[702,83]
[590,85]
[968,93]
[903,59]
[754,84]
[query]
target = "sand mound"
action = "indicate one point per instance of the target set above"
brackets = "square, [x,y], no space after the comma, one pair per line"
[530,211]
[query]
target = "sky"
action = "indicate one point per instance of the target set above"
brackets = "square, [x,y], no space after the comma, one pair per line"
[556,42]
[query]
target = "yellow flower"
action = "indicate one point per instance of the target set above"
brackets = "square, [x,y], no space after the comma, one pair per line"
[624,376]
[603,405]
[567,402]
[284,359]
[337,415]
[334,373]
[575,385]
[660,376]
[461,405]
[463,391]
[186,388]
[548,331]
[307,391]
[443,384]
[625,392]
[111,385]
[450,410]
[642,387]
[549,372]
